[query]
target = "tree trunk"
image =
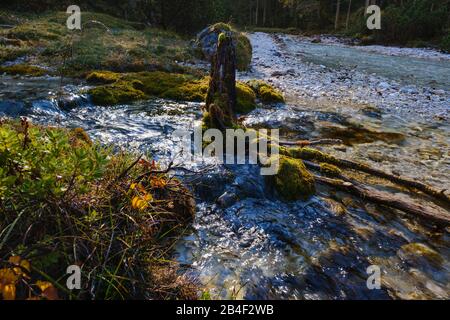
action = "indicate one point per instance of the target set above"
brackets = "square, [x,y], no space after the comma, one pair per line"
[265,13]
[338,9]
[221,99]
[348,14]
[257,12]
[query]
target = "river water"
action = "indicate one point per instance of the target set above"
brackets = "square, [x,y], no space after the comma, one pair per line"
[391,111]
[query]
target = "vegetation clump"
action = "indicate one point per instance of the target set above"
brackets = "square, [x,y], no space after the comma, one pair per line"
[246,98]
[307,153]
[293,181]
[103,77]
[119,92]
[330,170]
[118,46]
[129,87]
[23,69]
[68,201]
[265,92]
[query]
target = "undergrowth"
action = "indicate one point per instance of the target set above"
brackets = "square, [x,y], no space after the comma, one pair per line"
[65,200]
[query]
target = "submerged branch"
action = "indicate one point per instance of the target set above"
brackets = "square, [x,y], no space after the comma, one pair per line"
[316,155]
[437,214]
[304,143]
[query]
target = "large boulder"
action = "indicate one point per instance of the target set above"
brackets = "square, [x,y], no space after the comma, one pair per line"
[207,39]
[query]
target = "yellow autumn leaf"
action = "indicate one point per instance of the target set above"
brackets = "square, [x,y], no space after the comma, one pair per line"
[158,182]
[8,276]
[26,265]
[42,285]
[148,197]
[9,292]
[51,293]
[139,203]
[14,260]
[23,264]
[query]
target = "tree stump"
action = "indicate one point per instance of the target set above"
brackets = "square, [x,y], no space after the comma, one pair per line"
[221,99]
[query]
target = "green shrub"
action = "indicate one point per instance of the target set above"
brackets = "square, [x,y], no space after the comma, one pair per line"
[65,201]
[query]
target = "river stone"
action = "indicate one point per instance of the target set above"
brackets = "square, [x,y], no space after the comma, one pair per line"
[207,41]
[71,101]
[227,199]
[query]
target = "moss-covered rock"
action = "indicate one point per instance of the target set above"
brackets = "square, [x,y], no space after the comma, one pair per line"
[208,38]
[104,77]
[293,181]
[246,98]
[125,88]
[116,93]
[23,69]
[194,90]
[244,52]
[265,92]
[157,83]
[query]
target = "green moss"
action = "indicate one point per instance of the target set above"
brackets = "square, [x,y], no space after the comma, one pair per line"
[157,83]
[222,37]
[330,170]
[265,92]
[116,93]
[128,87]
[23,69]
[246,98]
[269,95]
[293,181]
[104,77]
[244,52]
[194,90]
[307,153]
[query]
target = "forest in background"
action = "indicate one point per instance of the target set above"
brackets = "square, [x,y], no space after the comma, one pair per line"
[405,22]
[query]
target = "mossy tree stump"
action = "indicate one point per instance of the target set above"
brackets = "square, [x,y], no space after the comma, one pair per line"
[221,99]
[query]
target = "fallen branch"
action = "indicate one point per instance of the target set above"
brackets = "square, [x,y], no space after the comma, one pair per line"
[437,214]
[312,154]
[304,143]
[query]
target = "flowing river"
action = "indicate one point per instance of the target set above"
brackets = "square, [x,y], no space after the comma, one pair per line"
[391,109]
